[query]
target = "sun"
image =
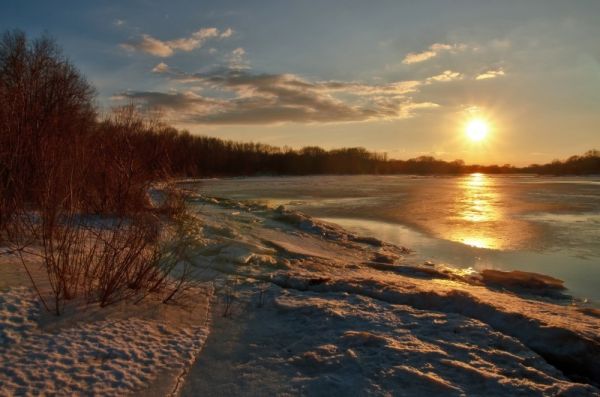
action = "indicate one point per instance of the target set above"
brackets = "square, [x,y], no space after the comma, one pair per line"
[477,130]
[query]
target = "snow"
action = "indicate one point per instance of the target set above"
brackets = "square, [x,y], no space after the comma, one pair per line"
[304,307]
[417,328]
[120,354]
[344,344]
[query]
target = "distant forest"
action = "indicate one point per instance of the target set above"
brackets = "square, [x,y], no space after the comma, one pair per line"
[202,156]
[55,148]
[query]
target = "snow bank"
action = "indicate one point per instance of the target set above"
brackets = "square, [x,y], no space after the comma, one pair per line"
[323,259]
[115,356]
[324,343]
[575,351]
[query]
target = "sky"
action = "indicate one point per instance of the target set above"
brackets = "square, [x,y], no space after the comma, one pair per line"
[401,77]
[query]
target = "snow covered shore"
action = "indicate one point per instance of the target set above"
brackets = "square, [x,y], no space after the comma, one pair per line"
[125,349]
[303,307]
[322,311]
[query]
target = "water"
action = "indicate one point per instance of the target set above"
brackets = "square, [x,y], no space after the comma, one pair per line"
[547,225]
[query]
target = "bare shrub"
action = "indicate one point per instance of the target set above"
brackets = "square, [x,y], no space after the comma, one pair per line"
[175,256]
[123,266]
[229,296]
[262,291]
[129,156]
[173,203]
[103,260]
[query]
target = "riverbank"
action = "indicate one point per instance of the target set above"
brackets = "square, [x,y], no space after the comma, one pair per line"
[534,224]
[142,348]
[327,311]
[301,306]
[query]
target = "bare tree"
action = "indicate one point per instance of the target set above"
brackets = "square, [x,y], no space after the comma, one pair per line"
[46,111]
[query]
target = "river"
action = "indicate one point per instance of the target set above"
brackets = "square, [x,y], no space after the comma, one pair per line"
[548,225]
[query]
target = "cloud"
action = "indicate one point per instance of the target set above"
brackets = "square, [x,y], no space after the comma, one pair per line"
[227,33]
[161,68]
[118,22]
[177,106]
[491,74]
[446,76]
[175,100]
[237,59]
[433,51]
[394,89]
[153,46]
[150,45]
[242,97]
[501,44]
[409,108]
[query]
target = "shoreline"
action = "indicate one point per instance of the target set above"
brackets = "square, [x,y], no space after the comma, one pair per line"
[294,295]
[501,224]
[328,260]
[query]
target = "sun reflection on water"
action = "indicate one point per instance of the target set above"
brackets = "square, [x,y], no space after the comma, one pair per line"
[476,200]
[477,210]
[480,242]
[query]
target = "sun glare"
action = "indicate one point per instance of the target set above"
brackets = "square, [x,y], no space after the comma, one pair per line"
[477,130]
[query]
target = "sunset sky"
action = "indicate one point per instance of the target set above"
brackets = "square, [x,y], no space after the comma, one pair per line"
[402,77]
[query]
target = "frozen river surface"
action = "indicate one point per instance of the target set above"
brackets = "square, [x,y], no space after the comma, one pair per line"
[548,225]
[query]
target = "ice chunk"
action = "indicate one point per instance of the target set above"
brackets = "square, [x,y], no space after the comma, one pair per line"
[521,279]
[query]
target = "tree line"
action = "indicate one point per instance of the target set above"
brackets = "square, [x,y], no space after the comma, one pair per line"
[55,148]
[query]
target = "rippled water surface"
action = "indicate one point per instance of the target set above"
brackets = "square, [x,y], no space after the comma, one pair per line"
[547,225]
